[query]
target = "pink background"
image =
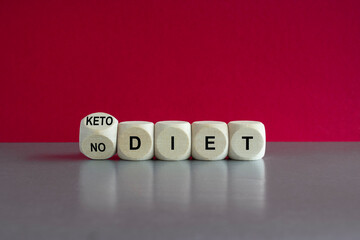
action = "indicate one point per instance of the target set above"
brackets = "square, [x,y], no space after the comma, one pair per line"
[294,65]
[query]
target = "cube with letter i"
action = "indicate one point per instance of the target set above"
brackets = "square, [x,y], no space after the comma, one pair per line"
[172,140]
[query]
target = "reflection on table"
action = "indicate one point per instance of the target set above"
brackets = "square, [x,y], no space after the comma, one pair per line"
[218,187]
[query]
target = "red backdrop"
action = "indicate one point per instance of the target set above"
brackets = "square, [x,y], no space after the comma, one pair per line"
[294,65]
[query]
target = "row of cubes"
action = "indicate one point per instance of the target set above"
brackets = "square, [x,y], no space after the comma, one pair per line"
[101,136]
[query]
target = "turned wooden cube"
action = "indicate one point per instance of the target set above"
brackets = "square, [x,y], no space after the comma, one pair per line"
[97,138]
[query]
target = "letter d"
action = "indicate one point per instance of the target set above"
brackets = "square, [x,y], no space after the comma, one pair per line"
[138,142]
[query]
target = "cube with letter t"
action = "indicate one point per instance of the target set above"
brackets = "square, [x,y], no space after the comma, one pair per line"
[247,140]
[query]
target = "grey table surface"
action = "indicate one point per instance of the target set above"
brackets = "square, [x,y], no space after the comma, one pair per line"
[298,191]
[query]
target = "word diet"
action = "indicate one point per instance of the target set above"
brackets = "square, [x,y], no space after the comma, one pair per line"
[101,135]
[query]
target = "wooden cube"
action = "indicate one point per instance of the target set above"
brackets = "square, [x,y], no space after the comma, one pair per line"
[209,140]
[97,138]
[247,140]
[136,140]
[172,140]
